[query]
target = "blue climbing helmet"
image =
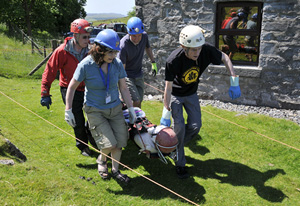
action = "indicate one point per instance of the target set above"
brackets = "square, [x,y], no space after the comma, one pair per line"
[241,14]
[135,26]
[254,16]
[108,38]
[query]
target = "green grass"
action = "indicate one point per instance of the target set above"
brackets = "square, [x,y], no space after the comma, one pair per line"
[229,165]
[118,20]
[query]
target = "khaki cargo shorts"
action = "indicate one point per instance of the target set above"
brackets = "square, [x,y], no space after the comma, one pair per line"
[108,126]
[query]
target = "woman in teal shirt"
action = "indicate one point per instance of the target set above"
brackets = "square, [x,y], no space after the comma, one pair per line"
[104,76]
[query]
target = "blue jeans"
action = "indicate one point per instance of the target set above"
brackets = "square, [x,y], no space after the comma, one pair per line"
[185,132]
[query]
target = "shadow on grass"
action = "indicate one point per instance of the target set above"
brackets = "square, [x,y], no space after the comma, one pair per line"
[161,173]
[225,171]
[238,174]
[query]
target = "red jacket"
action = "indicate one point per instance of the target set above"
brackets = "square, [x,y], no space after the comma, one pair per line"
[63,61]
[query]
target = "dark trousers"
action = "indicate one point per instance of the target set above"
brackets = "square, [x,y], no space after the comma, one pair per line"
[81,130]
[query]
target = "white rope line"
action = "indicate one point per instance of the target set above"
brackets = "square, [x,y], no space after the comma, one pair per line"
[239,125]
[160,185]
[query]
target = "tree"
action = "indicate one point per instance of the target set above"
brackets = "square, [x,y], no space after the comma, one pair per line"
[53,16]
[132,12]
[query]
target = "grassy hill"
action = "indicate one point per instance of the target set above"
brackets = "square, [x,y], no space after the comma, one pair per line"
[91,17]
[107,21]
[229,164]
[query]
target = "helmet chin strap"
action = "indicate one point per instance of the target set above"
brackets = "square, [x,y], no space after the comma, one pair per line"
[77,42]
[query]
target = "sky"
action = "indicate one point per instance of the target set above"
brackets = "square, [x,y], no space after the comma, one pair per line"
[109,6]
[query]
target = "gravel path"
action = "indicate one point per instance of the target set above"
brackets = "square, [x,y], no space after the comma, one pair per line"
[292,115]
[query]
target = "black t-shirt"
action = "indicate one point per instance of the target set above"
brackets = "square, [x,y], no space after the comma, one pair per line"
[185,73]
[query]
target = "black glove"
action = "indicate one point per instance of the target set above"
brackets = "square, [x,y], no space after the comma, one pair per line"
[46,101]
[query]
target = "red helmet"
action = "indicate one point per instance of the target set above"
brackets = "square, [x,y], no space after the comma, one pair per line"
[81,26]
[166,140]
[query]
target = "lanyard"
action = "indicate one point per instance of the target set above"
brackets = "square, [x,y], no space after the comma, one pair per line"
[106,83]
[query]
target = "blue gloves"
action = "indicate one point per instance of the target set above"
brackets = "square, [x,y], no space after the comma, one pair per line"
[166,118]
[46,101]
[234,90]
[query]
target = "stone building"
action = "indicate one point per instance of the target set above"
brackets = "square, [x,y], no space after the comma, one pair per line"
[274,81]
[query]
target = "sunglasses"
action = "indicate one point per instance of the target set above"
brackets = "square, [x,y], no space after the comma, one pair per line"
[86,37]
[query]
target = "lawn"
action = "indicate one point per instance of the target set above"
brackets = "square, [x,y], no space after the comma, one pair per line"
[234,160]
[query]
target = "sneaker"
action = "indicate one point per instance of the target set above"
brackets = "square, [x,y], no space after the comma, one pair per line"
[86,152]
[181,172]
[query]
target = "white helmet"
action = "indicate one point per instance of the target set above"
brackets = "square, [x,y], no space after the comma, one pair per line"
[192,36]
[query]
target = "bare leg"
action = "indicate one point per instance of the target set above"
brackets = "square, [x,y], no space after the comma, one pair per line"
[116,155]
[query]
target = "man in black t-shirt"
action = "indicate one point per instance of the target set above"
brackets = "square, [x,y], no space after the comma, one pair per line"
[183,69]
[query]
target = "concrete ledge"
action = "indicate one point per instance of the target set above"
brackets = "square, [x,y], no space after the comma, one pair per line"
[244,71]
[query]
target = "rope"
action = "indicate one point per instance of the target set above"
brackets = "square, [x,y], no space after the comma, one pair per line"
[154,182]
[239,125]
[253,131]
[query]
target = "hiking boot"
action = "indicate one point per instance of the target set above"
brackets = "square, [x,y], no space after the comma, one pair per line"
[86,152]
[181,172]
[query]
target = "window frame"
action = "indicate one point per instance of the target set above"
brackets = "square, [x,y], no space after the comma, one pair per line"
[239,32]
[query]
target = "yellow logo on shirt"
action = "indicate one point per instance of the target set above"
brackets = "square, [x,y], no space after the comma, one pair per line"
[191,75]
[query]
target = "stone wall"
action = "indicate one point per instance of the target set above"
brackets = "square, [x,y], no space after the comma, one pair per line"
[276,80]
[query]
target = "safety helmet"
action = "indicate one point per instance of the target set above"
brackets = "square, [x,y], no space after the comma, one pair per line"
[254,16]
[166,140]
[135,26]
[108,38]
[81,26]
[192,36]
[233,14]
[241,14]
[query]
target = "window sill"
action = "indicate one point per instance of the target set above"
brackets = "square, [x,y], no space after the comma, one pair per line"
[244,71]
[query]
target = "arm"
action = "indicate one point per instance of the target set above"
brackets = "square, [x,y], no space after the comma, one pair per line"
[125,92]
[51,69]
[234,90]
[154,66]
[127,98]
[167,94]
[228,64]
[69,116]
[70,93]
[150,54]
[166,114]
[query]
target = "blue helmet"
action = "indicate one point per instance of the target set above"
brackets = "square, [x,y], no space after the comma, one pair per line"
[254,16]
[241,14]
[135,25]
[108,38]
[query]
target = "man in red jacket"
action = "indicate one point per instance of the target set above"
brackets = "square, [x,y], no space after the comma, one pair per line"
[65,59]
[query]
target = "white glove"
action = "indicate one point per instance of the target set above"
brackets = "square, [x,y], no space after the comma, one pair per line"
[69,117]
[132,116]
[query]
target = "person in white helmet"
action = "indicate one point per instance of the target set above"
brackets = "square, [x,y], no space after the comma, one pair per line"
[184,67]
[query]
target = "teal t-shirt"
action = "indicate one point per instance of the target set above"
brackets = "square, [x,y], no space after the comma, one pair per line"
[95,88]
